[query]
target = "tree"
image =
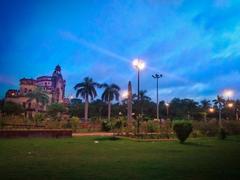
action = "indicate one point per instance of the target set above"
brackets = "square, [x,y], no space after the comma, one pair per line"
[11,108]
[55,109]
[219,102]
[205,105]
[143,98]
[110,93]
[40,96]
[86,89]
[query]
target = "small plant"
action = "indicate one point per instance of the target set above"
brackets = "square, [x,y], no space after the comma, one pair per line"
[39,117]
[106,125]
[151,127]
[182,129]
[74,123]
[222,134]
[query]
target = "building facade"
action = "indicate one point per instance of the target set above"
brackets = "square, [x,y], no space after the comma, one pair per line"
[53,85]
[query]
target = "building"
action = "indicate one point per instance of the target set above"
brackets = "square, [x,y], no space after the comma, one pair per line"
[53,85]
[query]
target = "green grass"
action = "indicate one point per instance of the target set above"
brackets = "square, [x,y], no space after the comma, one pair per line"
[81,158]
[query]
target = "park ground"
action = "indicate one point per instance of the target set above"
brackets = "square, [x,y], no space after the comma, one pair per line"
[105,158]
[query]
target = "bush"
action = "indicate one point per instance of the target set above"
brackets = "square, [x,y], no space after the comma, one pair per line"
[39,117]
[11,108]
[151,127]
[182,129]
[222,134]
[106,125]
[205,129]
[232,127]
[54,110]
[74,123]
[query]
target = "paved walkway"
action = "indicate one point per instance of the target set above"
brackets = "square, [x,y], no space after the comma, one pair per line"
[92,134]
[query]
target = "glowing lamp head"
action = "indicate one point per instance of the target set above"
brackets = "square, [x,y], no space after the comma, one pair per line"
[139,64]
[167,104]
[228,93]
[211,110]
[230,105]
[125,94]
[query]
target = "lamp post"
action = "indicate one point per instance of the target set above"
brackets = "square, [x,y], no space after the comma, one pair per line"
[157,76]
[139,65]
[237,111]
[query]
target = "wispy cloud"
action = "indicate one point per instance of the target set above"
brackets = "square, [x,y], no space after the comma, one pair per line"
[72,37]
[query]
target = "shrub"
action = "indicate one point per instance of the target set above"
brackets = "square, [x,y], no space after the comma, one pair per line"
[39,117]
[232,127]
[106,125]
[74,123]
[222,134]
[205,129]
[151,127]
[11,108]
[182,129]
[55,109]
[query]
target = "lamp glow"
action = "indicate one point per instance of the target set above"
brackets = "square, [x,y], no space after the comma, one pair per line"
[228,93]
[125,94]
[230,105]
[139,64]
[211,110]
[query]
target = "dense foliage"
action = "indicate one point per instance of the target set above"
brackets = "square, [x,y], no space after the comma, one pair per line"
[11,108]
[182,129]
[55,109]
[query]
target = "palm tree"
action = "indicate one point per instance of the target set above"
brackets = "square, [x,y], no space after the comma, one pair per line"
[219,102]
[86,89]
[110,93]
[40,96]
[205,105]
[142,98]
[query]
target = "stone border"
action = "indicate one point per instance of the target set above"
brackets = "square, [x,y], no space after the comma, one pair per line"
[49,133]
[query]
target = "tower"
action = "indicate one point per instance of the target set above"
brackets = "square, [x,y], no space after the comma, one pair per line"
[58,85]
[129,112]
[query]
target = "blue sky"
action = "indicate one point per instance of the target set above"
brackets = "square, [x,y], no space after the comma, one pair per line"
[194,44]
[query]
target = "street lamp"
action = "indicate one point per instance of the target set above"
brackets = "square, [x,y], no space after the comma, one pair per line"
[157,76]
[230,105]
[211,110]
[228,93]
[139,65]
[125,94]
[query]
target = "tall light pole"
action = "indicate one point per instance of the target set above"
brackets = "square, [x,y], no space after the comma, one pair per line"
[139,65]
[157,76]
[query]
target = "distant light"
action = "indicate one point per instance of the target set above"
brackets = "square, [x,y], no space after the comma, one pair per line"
[125,94]
[139,64]
[167,104]
[230,105]
[211,110]
[228,93]
[71,97]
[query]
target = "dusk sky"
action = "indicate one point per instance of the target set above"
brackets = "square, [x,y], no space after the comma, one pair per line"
[194,44]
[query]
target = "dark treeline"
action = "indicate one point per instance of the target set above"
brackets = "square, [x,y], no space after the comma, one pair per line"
[178,109]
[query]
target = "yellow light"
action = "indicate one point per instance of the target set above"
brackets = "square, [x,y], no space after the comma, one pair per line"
[125,94]
[139,64]
[230,105]
[228,93]
[211,110]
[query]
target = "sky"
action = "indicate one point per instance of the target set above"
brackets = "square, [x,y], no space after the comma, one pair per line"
[194,44]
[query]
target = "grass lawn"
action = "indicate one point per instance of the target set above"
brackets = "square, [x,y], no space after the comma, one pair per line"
[81,158]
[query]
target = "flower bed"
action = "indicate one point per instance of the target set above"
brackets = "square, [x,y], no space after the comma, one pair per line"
[52,133]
